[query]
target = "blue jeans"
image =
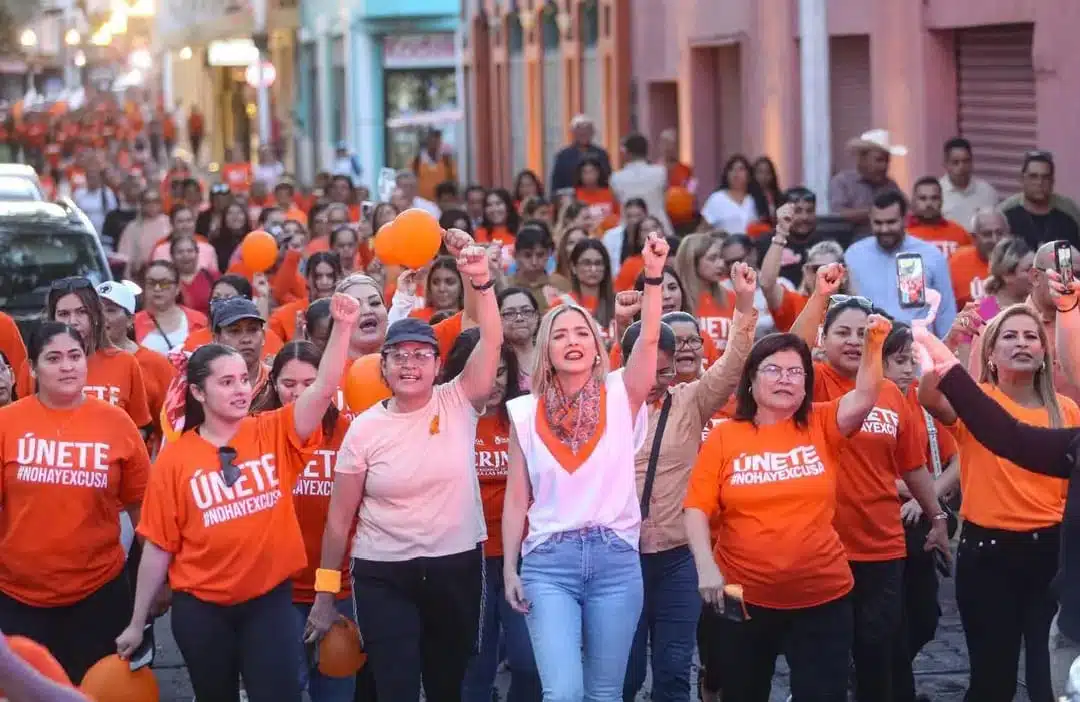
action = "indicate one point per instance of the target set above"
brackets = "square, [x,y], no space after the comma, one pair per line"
[584,591]
[320,687]
[480,677]
[669,620]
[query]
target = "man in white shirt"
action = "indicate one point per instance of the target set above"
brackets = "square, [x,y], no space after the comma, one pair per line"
[406,182]
[346,163]
[963,194]
[641,179]
[269,169]
[95,198]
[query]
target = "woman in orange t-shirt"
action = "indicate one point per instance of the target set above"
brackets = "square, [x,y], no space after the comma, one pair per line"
[322,273]
[891,444]
[501,625]
[568,239]
[220,527]
[591,284]
[769,476]
[113,375]
[700,264]
[592,189]
[443,290]
[70,463]
[501,219]
[295,369]
[1008,553]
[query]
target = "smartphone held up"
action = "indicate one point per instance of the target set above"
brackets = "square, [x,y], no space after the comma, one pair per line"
[910,280]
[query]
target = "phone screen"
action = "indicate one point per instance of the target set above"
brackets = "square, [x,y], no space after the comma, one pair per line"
[910,280]
[1064,260]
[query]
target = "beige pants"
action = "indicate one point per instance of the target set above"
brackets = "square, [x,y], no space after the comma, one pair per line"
[1063,652]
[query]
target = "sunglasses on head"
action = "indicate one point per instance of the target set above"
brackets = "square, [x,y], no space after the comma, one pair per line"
[70,284]
[229,470]
[859,301]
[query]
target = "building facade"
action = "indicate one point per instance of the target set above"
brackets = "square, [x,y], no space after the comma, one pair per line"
[376,74]
[1002,73]
[530,66]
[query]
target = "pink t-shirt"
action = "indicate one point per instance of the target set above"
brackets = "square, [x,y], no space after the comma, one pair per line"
[207,256]
[421,491]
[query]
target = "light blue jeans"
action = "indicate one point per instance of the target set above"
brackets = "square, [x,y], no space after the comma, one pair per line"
[585,593]
[320,687]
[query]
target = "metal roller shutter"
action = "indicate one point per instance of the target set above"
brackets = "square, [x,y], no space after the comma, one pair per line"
[996,86]
[849,94]
[516,80]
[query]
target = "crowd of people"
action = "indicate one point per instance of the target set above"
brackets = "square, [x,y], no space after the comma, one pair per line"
[615,433]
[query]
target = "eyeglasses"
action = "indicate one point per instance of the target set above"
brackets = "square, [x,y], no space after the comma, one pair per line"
[229,470]
[774,373]
[859,301]
[159,284]
[511,315]
[70,284]
[694,343]
[401,357]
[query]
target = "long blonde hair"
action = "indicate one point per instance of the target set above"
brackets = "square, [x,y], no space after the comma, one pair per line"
[692,249]
[543,370]
[1044,377]
[1004,259]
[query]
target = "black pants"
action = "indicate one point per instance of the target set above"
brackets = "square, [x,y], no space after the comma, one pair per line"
[710,633]
[816,642]
[419,619]
[921,610]
[254,640]
[878,605]
[1003,590]
[78,635]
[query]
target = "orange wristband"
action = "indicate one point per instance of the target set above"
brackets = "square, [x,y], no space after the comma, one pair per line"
[328,581]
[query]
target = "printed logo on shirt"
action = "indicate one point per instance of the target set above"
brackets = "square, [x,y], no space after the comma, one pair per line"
[710,425]
[69,463]
[317,480]
[761,468]
[882,422]
[256,490]
[108,393]
[947,248]
[492,464]
[717,328]
[978,288]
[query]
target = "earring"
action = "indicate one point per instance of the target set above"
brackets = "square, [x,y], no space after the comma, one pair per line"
[596,360]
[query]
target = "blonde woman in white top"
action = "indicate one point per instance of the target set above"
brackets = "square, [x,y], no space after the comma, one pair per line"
[571,472]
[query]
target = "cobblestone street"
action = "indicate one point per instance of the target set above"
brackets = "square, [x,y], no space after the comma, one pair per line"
[940,671]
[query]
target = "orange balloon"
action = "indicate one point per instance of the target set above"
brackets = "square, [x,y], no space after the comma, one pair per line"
[680,204]
[112,680]
[384,245]
[259,251]
[341,654]
[37,657]
[417,235]
[364,385]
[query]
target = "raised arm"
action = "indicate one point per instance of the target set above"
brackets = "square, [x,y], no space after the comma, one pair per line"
[721,379]
[857,403]
[641,366]
[826,284]
[770,264]
[1067,327]
[312,403]
[479,374]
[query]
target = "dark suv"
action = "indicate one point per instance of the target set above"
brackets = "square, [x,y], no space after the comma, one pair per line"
[41,242]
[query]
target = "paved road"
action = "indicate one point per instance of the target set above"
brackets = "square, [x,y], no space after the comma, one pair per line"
[940,671]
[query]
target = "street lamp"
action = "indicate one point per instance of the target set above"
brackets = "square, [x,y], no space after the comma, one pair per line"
[185,53]
[28,39]
[80,58]
[72,37]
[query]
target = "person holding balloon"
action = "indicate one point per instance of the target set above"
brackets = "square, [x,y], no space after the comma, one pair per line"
[29,673]
[260,252]
[219,522]
[406,466]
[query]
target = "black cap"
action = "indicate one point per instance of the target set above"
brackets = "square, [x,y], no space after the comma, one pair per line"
[232,310]
[630,337]
[410,329]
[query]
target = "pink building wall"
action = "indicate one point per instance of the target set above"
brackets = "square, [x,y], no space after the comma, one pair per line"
[734,67]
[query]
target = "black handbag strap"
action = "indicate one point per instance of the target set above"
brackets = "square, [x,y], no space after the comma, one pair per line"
[654,456]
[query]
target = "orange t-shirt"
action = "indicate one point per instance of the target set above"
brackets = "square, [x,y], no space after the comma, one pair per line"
[447,332]
[66,476]
[679,175]
[230,544]
[157,373]
[946,444]
[714,319]
[499,233]
[602,204]
[947,235]
[11,343]
[773,489]
[112,375]
[968,273]
[492,457]
[892,441]
[791,306]
[630,269]
[282,321]
[237,176]
[272,343]
[311,498]
[998,494]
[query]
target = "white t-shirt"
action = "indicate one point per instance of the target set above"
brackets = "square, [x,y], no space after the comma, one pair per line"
[421,491]
[602,492]
[724,213]
[96,204]
[156,341]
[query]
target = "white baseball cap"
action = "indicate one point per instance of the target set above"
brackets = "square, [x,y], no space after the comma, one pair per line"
[122,293]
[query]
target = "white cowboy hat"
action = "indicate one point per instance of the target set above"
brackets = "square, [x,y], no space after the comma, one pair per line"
[876,139]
